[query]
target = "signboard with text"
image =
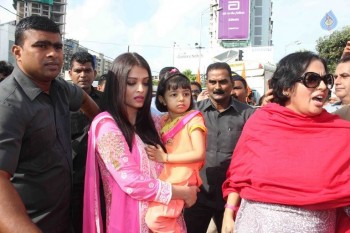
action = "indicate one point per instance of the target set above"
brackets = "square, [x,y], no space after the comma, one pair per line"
[233,20]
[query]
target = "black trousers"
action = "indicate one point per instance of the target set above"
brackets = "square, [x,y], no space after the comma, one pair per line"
[77,208]
[198,217]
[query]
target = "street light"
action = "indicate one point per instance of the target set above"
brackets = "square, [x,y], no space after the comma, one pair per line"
[201,21]
[199,46]
[174,53]
[297,42]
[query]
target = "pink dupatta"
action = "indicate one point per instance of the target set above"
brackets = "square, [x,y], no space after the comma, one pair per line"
[92,219]
[173,131]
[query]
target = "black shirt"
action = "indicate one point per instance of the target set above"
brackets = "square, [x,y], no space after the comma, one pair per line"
[80,125]
[223,131]
[35,146]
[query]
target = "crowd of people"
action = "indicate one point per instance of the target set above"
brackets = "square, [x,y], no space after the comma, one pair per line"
[74,158]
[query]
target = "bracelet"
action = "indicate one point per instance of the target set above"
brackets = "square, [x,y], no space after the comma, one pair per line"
[232,207]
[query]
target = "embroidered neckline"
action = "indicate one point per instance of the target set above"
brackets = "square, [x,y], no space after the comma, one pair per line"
[168,123]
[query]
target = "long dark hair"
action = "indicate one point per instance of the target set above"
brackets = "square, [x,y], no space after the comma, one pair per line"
[113,100]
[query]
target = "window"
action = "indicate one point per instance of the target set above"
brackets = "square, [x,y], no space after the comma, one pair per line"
[258,2]
[258,20]
[258,11]
[258,31]
[56,8]
[34,10]
[257,40]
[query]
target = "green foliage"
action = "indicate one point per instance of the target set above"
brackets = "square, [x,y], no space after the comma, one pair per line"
[188,74]
[155,82]
[331,47]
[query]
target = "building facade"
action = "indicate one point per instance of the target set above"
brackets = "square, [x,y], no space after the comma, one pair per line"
[71,46]
[7,39]
[240,34]
[53,9]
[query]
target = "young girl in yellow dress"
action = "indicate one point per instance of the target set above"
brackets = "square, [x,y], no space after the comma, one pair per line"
[184,135]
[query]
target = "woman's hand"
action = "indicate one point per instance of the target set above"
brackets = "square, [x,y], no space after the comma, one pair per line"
[228,222]
[231,207]
[156,153]
[186,193]
[191,197]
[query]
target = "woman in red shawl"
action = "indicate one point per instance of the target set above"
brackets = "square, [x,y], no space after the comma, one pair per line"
[290,171]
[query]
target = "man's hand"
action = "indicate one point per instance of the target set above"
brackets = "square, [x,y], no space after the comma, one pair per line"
[346,51]
[13,215]
[203,95]
[267,97]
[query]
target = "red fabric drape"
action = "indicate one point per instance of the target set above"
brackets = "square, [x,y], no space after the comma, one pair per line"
[286,158]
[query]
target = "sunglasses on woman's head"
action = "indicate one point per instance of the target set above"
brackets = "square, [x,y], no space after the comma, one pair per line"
[312,80]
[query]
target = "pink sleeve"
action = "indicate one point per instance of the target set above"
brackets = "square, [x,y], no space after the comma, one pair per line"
[125,168]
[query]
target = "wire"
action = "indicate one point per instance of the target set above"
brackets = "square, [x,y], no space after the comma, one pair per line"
[10,11]
[98,42]
[155,46]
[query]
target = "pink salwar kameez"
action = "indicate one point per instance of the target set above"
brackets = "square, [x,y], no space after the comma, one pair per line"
[130,180]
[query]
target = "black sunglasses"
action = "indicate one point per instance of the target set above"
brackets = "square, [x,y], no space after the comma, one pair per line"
[312,80]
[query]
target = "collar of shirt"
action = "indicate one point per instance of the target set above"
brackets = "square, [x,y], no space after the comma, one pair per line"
[27,85]
[207,103]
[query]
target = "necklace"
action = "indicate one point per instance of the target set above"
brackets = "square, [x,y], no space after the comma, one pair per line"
[170,123]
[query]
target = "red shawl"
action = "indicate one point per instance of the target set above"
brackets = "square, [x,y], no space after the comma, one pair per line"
[286,158]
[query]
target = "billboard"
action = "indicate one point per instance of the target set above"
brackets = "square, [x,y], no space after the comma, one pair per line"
[234,19]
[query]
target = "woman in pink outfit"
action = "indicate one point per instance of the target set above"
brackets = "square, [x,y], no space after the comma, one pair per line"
[117,139]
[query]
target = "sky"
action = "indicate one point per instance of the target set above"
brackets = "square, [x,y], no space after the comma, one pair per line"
[154,28]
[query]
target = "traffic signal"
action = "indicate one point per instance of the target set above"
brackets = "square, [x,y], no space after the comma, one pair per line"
[240,55]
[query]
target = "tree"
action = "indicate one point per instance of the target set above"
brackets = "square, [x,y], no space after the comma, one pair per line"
[155,82]
[331,47]
[188,74]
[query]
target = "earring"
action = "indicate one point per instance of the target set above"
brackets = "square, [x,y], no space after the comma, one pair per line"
[286,94]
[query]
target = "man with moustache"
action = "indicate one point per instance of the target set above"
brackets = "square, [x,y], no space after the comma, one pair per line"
[224,118]
[35,146]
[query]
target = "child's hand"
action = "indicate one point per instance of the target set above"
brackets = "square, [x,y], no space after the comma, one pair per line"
[156,153]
